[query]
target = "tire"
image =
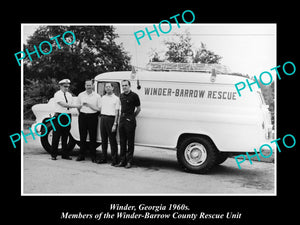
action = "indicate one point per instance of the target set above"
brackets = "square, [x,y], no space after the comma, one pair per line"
[47,140]
[197,154]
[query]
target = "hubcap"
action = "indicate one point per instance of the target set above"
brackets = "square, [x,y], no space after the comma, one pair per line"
[195,154]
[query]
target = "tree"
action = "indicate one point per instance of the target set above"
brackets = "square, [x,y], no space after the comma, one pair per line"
[94,51]
[35,92]
[181,50]
[155,56]
[203,55]
[178,51]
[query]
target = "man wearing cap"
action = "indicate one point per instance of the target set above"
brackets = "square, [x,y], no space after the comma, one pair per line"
[63,102]
[88,119]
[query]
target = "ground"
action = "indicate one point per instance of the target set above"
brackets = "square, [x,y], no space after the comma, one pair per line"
[155,171]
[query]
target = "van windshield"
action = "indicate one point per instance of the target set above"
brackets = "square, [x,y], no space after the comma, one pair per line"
[101,89]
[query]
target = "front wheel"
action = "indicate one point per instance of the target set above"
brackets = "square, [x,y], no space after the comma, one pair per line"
[197,154]
[46,140]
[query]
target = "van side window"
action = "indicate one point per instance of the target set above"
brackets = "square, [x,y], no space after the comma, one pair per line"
[101,90]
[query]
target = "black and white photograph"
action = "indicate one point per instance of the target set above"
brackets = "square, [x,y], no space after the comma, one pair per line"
[146,113]
[144,109]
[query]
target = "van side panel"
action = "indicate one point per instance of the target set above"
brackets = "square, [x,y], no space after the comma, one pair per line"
[170,109]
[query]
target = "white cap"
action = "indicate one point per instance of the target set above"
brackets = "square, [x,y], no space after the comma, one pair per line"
[64,81]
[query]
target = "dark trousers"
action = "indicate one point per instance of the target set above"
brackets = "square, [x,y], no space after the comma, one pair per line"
[106,125]
[127,133]
[88,123]
[60,132]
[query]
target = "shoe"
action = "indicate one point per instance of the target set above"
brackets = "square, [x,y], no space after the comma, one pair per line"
[101,161]
[80,158]
[66,157]
[53,157]
[120,165]
[128,165]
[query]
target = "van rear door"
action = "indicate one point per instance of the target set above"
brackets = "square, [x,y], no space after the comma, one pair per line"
[267,123]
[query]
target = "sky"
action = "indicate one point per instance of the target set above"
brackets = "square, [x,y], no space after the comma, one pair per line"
[244,48]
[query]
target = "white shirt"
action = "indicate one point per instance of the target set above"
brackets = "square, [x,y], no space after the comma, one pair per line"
[109,104]
[93,99]
[59,97]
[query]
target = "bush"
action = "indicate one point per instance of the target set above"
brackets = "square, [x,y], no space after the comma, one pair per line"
[37,91]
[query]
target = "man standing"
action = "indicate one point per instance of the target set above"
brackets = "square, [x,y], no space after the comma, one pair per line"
[88,120]
[110,106]
[130,108]
[63,103]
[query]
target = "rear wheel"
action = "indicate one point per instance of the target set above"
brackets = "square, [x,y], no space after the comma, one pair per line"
[46,140]
[197,154]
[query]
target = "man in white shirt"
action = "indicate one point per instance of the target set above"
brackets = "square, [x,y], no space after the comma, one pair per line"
[110,106]
[88,119]
[63,102]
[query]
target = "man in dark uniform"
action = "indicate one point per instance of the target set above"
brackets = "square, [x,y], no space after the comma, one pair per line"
[130,108]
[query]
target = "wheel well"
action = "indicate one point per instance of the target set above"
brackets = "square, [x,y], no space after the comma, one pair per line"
[187,135]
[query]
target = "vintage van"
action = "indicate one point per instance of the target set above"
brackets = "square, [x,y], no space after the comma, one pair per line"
[197,113]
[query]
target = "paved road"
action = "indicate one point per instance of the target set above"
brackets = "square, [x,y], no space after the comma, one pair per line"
[155,172]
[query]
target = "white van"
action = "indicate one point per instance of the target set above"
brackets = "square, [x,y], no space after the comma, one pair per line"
[198,114]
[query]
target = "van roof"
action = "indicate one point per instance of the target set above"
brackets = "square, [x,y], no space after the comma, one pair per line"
[172,76]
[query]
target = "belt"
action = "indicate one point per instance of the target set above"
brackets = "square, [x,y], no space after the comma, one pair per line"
[110,116]
[82,113]
[127,114]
